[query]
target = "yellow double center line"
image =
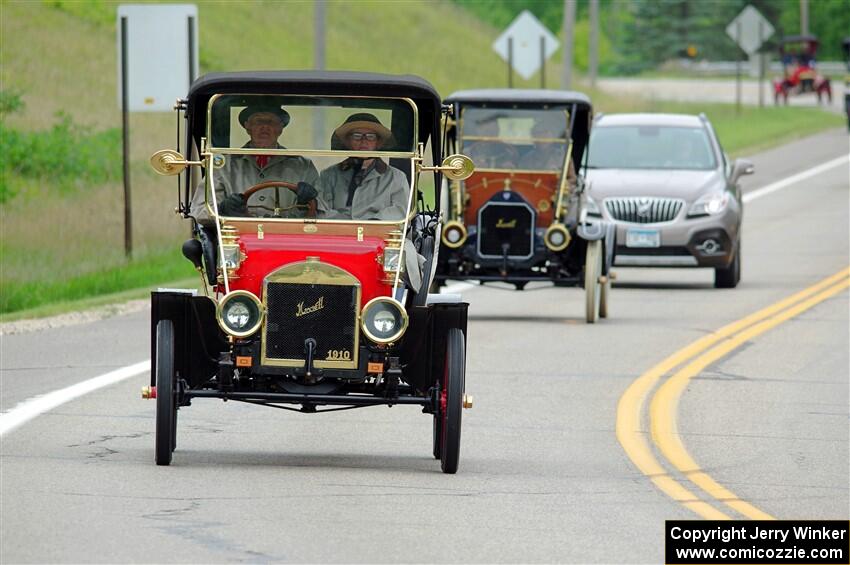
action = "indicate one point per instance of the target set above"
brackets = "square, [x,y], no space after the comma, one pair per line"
[662,411]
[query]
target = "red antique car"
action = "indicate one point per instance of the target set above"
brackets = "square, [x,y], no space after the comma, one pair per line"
[797,53]
[315,250]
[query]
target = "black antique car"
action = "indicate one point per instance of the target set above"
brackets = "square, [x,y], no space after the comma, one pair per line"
[306,305]
[521,216]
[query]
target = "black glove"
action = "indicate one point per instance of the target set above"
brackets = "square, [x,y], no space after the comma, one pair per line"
[233,205]
[305,193]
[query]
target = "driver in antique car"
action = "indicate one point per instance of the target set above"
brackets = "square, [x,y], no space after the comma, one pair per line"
[264,125]
[490,153]
[545,155]
[364,189]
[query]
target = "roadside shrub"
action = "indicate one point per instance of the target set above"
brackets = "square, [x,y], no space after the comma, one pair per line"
[10,102]
[68,155]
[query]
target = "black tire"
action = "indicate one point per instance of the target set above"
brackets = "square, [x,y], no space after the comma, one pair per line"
[604,296]
[437,440]
[166,406]
[730,276]
[453,386]
[592,272]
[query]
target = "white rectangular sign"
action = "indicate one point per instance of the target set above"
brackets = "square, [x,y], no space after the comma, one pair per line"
[162,54]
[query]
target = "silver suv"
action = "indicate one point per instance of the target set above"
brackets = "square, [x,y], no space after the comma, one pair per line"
[665,182]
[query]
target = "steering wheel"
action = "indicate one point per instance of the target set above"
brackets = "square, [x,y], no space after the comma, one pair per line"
[311,206]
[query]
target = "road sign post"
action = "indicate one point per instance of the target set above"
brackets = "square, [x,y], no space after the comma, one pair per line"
[749,30]
[738,70]
[157,62]
[761,66]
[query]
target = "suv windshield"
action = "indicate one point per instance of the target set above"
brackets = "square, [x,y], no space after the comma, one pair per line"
[338,158]
[517,139]
[650,147]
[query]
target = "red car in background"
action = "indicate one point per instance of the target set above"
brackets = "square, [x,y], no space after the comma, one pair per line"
[797,53]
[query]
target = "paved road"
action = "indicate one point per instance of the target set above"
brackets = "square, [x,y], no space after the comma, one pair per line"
[714,90]
[542,477]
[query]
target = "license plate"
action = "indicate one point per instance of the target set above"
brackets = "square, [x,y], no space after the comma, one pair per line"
[643,238]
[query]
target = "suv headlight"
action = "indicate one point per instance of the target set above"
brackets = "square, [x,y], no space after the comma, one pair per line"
[709,204]
[384,320]
[239,313]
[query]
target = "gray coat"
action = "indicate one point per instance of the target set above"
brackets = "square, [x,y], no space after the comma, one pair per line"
[241,172]
[382,195]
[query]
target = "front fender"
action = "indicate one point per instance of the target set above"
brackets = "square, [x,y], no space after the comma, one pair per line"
[607,232]
[198,340]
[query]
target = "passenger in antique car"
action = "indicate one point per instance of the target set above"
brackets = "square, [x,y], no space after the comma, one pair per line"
[489,153]
[264,125]
[364,189]
[548,155]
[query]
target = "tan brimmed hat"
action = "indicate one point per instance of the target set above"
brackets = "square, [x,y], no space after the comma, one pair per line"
[367,122]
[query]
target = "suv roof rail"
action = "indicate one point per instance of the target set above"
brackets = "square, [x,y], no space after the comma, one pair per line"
[703,117]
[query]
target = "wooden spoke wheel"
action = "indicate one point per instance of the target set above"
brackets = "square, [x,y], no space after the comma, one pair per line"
[592,272]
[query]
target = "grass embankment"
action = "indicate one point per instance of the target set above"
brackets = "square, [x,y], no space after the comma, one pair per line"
[745,132]
[61,240]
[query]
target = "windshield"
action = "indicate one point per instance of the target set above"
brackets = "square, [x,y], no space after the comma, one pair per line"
[517,139]
[329,158]
[650,147]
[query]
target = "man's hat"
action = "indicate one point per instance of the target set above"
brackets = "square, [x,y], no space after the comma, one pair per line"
[367,122]
[257,109]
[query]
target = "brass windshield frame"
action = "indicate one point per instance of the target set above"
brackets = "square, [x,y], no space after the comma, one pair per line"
[411,155]
[319,224]
[567,141]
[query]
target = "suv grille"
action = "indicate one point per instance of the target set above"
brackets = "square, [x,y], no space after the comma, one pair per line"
[644,210]
[508,224]
[297,311]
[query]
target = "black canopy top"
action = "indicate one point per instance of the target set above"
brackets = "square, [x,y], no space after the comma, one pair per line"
[533,99]
[316,83]
[521,96]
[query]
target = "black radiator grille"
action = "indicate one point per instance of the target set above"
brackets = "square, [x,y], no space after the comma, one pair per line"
[644,210]
[508,224]
[295,312]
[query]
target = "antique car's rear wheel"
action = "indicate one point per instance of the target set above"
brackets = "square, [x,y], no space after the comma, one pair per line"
[592,272]
[452,391]
[166,406]
[604,295]
[730,276]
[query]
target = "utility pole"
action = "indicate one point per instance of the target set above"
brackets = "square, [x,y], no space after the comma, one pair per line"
[319,140]
[593,55]
[804,17]
[569,26]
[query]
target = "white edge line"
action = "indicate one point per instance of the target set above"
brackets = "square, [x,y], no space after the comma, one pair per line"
[779,185]
[29,409]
